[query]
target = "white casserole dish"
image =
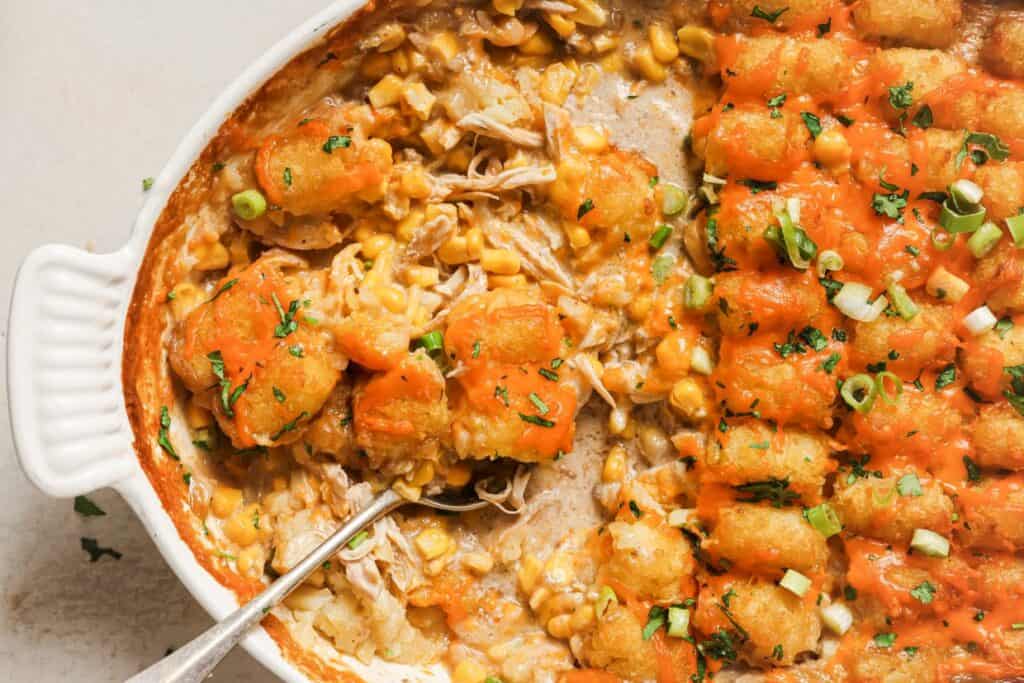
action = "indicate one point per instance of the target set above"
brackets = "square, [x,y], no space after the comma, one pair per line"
[64,357]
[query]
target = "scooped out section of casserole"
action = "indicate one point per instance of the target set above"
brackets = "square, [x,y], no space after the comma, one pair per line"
[730,292]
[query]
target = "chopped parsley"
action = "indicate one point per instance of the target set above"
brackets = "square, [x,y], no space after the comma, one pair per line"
[635,509]
[777,652]
[770,17]
[290,426]
[823,29]
[900,95]
[147,184]
[164,436]
[830,363]
[288,176]
[946,377]
[586,207]
[288,323]
[891,205]
[656,618]
[337,142]
[923,118]
[476,349]
[973,471]
[912,250]
[296,350]
[774,491]
[814,338]
[884,639]
[548,374]
[536,420]
[812,122]
[501,393]
[86,508]
[1003,326]
[923,592]
[539,403]
[279,395]
[758,185]
[96,551]
[223,288]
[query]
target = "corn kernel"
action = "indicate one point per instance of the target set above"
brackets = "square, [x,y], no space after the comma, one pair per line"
[506,281]
[238,249]
[619,420]
[408,226]
[184,298]
[529,571]
[590,139]
[241,527]
[537,44]
[560,626]
[458,475]
[478,563]
[582,617]
[556,83]
[688,399]
[673,354]
[561,24]
[507,7]
[433,543]
[386,92]
[375,66]
[613,63]
[422,276]
[474,242]
[415,184]
[696,42]
[375,245]
[614,465]
[469,671]
[250,560]
[559,570]
[406,491]
[539,597]
[458,159]
[422,475]
[419,99]
[640,307]
[211,256]
[663,43]
[197,417]
[500,261]
[831,148]
[589,13]
[392,297]
[454,251]
[605,42]
[224,500]
[446,44]
[648,66]
[578,236]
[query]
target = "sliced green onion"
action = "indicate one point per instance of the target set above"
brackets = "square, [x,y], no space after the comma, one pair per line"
[249,204]
[901,301]
[883,392]
[837,618]
[432,341]
[795,582]
[829,261]
[696,292]
[929,543]
[799,248]
[660,236]
[674,199]
[966,195]
[605,597]
[984,239]
[358,539]
[942,240]
[980,320]
[713,179]
[852,300]
[824,520]
[700,361]
[1016,227]
[955,222]
[909,485]
[859,392]
[678,622]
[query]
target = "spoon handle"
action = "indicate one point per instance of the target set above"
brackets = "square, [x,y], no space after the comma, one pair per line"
[195,661]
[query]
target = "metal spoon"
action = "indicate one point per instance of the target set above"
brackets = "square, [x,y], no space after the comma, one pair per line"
[197,660]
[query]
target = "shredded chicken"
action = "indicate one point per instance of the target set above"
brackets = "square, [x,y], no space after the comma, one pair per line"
[482,124]
[551,6]
[475,283]
[530,240]
[510,499]
[586,368]
[427,239]
[451,184]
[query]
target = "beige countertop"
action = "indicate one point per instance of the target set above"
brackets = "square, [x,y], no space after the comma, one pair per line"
[94,96]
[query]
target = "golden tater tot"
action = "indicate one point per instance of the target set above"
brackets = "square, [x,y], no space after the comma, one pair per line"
[909,22]
[759,538]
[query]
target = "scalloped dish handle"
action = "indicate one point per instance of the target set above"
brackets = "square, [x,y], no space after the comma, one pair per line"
[65,335]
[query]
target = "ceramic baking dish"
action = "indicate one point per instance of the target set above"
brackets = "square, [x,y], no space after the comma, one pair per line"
[64,359]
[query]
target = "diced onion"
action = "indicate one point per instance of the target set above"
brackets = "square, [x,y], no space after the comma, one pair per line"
[1016,227]
[795,582]
[956,222]
[824,520]
[678,622]
[829,261]
[859,384]
[909,485]
[700,361]
[837,618]
[984,240]
[980,320]
[696,292]
[966,195]
[883,392]
[929,543]
[902,302]
[852,300]
[674,199]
